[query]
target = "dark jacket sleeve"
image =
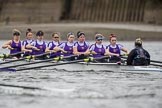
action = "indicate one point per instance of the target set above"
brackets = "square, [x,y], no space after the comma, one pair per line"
[131,56]
[148,56]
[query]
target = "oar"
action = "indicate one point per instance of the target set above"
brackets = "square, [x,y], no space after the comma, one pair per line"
[154,61]
[7,69]
[27,57]
[70,62]
[24,87]
[160,65]
[9,55]
[42,61]
[36,88]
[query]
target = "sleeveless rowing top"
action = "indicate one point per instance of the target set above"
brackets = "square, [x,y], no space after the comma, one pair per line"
[115,50]
[81,48]
[42,48]
[69,50]
[25,43]
[53,45]
[16,46]
[100,51]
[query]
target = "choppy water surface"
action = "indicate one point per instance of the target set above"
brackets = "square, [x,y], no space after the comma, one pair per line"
[92,89]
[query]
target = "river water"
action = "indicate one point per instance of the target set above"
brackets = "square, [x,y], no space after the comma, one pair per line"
[88,89]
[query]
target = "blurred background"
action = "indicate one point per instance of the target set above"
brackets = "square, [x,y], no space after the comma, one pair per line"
[126,18]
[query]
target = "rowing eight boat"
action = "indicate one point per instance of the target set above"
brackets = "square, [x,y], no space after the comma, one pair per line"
[89,66]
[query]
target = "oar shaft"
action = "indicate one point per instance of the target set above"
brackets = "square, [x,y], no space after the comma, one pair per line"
[12,61]
[18,86]
[49,65]
[75,61]
[7,69]
[30,63]
[10,55]
[155,61]
[42,61]
[160,65]
[27,57]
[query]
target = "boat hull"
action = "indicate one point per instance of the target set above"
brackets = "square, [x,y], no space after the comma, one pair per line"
[111,67]
[83,66]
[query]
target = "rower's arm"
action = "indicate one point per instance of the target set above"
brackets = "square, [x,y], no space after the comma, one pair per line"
[32,47]
[7,44]
[110,54]
[29,46]
[75,51]
[47,49]
[92,52]
[24,49]
[50,51]
[125,50]
[59,49]
[87,52]
[107,53]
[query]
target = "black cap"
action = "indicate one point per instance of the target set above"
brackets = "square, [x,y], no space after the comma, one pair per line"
[39,33]
[16,32]
[79,33]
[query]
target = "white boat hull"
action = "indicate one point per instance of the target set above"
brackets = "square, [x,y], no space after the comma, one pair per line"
[82,66]
[112,67]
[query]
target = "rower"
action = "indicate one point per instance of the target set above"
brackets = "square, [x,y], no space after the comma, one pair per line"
[98,49]
[67,47]
[138,56]
[115,49]
[38,46]
[81,46]
[28,40]
[14,45]
[54,43]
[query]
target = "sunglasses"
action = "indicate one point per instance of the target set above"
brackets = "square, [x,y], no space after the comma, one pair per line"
[55,37]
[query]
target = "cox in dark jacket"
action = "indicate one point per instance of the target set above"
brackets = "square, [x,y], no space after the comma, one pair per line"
[138,56]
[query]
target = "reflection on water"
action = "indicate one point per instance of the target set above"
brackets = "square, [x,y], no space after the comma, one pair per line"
[91,89]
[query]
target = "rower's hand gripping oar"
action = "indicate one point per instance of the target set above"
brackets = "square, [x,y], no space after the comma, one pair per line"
[37,62]
[8,68]
[4,56]
[28,58]
[90,59]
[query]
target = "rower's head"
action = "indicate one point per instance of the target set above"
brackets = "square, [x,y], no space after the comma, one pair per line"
[16,34]
[81,36]
[138,42]
[99,38]
[40,35]
[112,38]
[56,36]
[70,37]
[29,34]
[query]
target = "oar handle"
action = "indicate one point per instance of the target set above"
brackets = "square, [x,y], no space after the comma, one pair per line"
[10,55]
[29,57]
